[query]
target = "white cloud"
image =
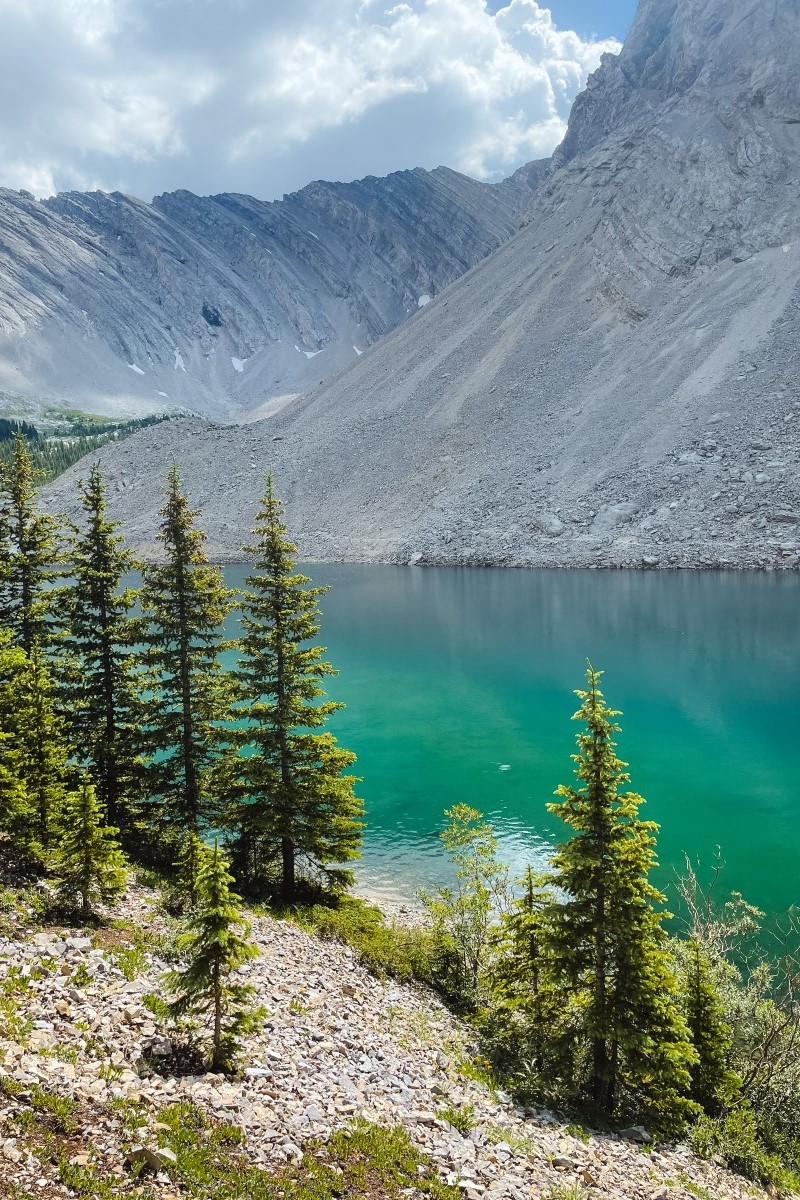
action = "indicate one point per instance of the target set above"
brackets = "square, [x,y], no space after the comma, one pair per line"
[252,95]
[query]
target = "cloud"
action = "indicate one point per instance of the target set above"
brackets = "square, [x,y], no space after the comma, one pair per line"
[257,96]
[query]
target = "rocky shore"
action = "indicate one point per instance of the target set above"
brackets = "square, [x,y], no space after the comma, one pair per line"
[338,1044]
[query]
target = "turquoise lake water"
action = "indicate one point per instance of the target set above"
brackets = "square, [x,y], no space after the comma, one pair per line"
[458,686]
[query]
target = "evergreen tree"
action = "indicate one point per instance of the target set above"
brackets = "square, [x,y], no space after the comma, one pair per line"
[714,1085]
[605,941]
[27,551]
[294,800]
[33,753]
[214,947]
[527,1016]
[101,694]
[182,893]
[185,603]
[90,864]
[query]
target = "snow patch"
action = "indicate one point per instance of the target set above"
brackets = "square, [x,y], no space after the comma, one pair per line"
[308,353]
[179,362]
[311,231]
[164,394]
[358,352]
[238,363]
[423,300]
[134,367]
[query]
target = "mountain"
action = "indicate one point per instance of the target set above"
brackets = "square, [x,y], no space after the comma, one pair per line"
[223,304]
[617,384]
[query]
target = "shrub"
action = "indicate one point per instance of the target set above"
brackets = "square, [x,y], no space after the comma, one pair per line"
[404,952]
[737,1140]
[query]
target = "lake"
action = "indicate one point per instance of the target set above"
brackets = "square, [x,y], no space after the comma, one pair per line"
[459,687]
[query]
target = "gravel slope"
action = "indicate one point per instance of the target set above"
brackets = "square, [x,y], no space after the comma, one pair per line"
[338,1044]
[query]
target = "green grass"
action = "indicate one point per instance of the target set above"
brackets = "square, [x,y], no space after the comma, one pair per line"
[402,952]
[462,1119]
[365,1161]
[131,960]
[566,1191]
[516,1143]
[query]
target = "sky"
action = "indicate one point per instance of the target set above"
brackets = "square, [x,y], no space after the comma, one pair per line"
[262,96]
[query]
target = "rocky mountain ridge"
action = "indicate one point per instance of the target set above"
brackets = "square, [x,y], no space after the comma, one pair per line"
[224,304]
[617,385]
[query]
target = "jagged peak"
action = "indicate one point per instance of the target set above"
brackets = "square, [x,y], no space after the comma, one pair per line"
[723,50]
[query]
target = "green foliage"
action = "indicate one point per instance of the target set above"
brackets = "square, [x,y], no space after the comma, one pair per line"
[74,435]
[714,1084]
[100,690]
[294,808]
[184,733]
[214,946]
[623,1033]
[403,952]
[181,892]
[27,552]
[363,1161]
[566,1191]
[462,1119]
[463,916]
[760,1001]
[32,753]
[735,1138]
[131,960]
[90,865]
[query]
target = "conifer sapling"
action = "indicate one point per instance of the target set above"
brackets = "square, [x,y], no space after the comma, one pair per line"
[90,864]
[214,946]
[606,946]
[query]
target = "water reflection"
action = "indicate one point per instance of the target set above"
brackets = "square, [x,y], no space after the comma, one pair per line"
[458,685]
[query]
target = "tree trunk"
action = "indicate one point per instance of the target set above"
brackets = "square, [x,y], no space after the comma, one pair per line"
[216,1060]
[288,877]
[191,797]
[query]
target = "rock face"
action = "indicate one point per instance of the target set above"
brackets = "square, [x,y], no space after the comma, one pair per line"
[221,304]
[619,384]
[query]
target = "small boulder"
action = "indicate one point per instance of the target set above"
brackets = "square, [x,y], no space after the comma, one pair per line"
[154,1159]
[636,1133]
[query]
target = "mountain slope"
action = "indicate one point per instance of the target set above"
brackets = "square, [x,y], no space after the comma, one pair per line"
[616,384]
[221,304]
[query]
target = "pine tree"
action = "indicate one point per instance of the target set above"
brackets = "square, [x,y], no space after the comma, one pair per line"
[214,947]
[33,752]
[714,1085]
[90,864]
[185,603]
[27,551]
[101,689]
[295,802]
[606,943]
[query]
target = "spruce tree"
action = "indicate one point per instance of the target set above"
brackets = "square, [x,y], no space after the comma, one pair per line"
[606,946]
[101,689]
[27,551]
[182,893]
[185,603]
[33,752]
[714,1084]
[215,946]
[295,802]
[90,865]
